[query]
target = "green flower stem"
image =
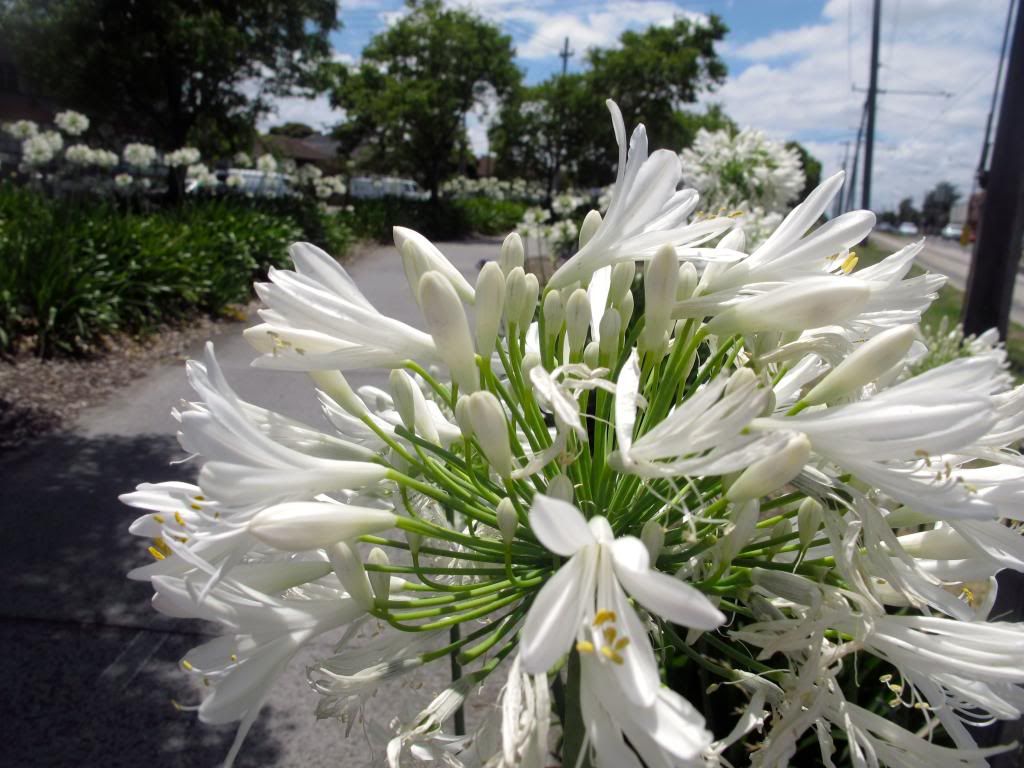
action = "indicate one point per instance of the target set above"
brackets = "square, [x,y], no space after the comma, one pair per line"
[692,653]
[396,544]
[710,369]
[451,620]
[732,653]
[435,569]
[445,610]
[424,528]
[457,642]
[472,592]
[443,391]
[506,624]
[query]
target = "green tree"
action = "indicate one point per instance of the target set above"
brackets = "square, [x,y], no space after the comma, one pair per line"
[170,72]
[292,130]
[811,166]
[907,212]
[407,99]
[688,123]
[651,75]
[937,205]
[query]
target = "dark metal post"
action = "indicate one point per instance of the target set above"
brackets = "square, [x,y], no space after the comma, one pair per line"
[869,143]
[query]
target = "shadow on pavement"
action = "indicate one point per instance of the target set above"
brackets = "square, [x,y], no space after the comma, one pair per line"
[89,668]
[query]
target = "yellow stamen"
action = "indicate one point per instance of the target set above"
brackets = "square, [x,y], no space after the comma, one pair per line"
[234,657]
[610,633]
[611,655]
[187,665]
[196,507]
[583,646]
[199,498]
[849,263]
[159,519]
[179,519]
[603,616]
[156,553]
[621,643]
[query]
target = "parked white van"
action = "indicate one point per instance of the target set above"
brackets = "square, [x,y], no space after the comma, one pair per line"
[372,187]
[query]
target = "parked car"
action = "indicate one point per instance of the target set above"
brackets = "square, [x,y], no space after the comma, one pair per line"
[952,231]
[908,228]
[370,188]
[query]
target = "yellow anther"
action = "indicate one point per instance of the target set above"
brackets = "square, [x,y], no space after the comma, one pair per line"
[885,678]
[182,539]
[849,263]
[735,214]
[893,703]
[179,519]
[234,658]
[610,633]
[924,455]
[199,498]
[610,654]
[602,616]
[159,519]
[583,646]
[176,705]
[621,643]
[187,665]
[968,594]
[196,507]
[156,553]
[206,682]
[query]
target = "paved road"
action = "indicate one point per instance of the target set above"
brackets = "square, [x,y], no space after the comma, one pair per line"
[954,261]
[88,667]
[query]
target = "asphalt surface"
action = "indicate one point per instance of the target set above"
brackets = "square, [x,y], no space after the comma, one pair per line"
[88,667]
[952,260]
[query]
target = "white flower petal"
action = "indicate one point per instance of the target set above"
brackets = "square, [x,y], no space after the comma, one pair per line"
[559,526]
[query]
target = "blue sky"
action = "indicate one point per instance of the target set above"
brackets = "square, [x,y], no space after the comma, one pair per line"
[792,65]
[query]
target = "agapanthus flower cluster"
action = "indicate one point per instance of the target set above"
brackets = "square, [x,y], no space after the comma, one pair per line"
[84,155]
[41,148]
[266,163]
[72,123]
[21,129]
[744,169]
[492,188]
[739,501]
[139,155]
[182,158]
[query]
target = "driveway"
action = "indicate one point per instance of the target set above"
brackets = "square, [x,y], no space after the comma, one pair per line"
[89,668]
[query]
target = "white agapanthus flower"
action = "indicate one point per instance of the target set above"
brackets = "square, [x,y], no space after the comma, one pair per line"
[38,150]
[182,158]
[124,180]
[689,485]
[72,123]
[266,163]
[139,155]
[242,160]
[21,129]
[79,154]
[731,169]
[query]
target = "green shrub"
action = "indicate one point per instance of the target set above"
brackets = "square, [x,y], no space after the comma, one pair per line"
[491,217]
[74,271]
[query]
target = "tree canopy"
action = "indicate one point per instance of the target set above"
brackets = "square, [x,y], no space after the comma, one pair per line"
[937,206]
[651,75]
[407,99]
[171,72]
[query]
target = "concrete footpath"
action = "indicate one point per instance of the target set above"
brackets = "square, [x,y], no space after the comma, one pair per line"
[88,667]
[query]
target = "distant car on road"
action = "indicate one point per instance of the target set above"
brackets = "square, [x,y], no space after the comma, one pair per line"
[370,188]
[952,231]
[908,228]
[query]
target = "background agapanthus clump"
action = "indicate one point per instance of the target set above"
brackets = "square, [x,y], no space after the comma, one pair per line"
[734,528]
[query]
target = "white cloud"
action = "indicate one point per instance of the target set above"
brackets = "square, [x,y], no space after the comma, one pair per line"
[316,113]
[798,86]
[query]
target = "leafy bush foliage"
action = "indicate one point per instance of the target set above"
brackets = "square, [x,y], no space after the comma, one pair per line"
[75,271]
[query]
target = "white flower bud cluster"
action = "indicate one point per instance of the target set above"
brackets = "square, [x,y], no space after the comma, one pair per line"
[72,123]
[682,470]
[182,158]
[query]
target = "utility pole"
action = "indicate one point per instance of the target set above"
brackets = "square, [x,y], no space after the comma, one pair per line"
[837,208]
[856,161]
[564,56]
[995,98]
[997,250]
[869,143]
[560,143]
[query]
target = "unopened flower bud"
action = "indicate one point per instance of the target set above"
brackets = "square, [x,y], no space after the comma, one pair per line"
[379,582]
[529,305]
[554,313]
[414,264]
[490,303]
[491,430]
[812,303]
[734,240]
[296,526]
[772,472]
[446,321]
[808,520]
[788,586]
[740,378]
[348,567]
[462,417]
[430,257]
[508,520]
[611,324]
[577,320]
[412,406]
[530,361]
[591,223]
[336,386]
[687,281]
[653,537]
[626,309]
[622,279]
[659,297]
[512,253]
[560,487]
[515,295]
[415,541]
[592,354]
[869,361]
